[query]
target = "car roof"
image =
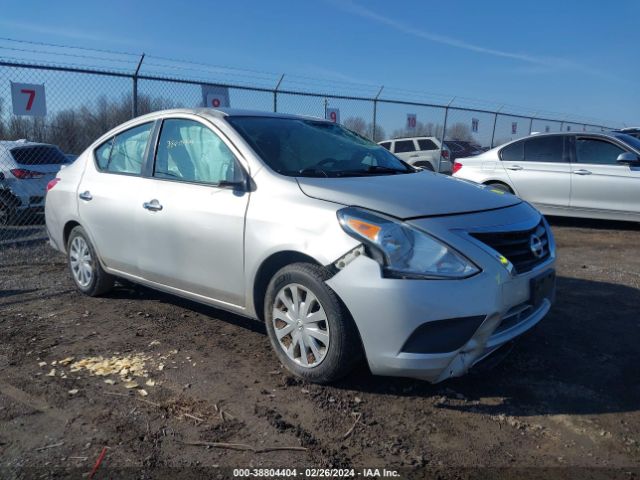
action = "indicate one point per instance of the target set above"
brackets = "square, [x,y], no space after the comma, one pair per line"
[223,113]
[422,137]
[10,144]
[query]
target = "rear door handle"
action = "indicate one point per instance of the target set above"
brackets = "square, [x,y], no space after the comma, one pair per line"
[515,167]
[582,171]
[86,195]
[153,205]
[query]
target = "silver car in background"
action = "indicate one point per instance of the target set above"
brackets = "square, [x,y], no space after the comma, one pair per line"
[592,175]
[344,251]
[25,169]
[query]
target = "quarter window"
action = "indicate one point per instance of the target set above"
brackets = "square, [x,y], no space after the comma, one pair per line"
[426,144]
[189,151]
[544,149]
[124,153]
[513,152]
[595,151]
[403,146]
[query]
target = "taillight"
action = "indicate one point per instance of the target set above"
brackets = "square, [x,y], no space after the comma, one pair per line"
[456,166]
[23,174]
[445,154]
[52,183]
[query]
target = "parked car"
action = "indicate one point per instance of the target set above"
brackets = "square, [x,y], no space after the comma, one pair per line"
[340,248]
[455,150]
[422,152]
[594,175]
[25,169]
[632,131]
[471,149]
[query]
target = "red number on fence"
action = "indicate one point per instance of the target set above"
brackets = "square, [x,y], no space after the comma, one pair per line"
[333,116]
[32,96]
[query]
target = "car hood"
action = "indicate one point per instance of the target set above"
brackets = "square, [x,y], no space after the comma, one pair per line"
[407,196]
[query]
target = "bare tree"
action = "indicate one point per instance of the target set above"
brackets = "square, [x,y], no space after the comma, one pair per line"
[459,131]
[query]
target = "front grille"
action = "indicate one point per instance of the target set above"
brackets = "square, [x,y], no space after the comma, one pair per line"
[521,248]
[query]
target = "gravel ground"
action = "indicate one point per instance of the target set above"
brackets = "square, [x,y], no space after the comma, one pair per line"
[567,396]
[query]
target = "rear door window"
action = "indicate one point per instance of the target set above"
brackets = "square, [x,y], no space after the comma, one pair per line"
[426,144]
[596,151]
[544,149]
[404,146]
[125,152]
[386,145]
[39,155]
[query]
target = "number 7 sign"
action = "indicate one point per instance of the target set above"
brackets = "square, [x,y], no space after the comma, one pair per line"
[28,99]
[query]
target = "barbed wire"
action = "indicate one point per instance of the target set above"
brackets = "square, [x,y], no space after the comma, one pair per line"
[210,73]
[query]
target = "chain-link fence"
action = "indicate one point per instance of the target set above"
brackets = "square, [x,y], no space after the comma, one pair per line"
[50,113]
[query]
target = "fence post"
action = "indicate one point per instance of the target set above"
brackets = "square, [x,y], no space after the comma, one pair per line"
[562,126]
[375,113]
[134,106]
[275,94]
[444,131]
[531,123]
[495,120]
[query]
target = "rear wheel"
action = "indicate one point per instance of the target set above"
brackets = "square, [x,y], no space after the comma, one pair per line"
[310,330]
[86,271]
[500,186]
[7,214]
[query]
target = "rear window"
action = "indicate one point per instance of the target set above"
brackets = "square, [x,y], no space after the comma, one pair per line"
[426,144]
[39,155]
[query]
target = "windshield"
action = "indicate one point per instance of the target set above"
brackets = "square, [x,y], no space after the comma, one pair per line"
[300,147]
[633,142]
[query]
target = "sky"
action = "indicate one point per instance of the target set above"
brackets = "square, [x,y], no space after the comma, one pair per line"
[578,58]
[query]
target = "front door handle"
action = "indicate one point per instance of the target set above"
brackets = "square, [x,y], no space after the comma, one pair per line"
[582,171]
[153,205]
[86,195]
[515,167]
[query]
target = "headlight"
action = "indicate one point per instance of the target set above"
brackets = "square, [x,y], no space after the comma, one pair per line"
[403,251]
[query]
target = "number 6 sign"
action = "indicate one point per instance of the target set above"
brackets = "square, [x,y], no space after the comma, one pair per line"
[28,99]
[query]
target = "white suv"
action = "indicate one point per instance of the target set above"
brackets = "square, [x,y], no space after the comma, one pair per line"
[422,152]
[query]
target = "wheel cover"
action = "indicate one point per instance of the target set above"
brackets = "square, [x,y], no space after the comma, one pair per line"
[300,325]
[81,262]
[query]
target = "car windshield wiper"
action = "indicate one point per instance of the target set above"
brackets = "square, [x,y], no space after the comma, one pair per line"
[370,170]
[312,172]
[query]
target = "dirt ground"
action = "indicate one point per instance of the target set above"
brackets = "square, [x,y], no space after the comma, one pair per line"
[567,396]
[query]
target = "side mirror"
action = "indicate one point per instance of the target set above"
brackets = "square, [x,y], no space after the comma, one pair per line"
[628,158]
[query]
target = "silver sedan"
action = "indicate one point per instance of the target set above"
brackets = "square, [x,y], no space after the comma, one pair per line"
[344,251]
[593,175]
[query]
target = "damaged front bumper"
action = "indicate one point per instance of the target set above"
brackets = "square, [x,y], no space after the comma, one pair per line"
[437,329]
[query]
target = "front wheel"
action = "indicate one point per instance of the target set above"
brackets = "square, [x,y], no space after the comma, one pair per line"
[310,330]
[86,271]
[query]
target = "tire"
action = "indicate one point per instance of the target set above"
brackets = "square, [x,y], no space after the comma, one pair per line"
[84,266]
[7,214]
[424,166]
[500,186]
[332,345]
